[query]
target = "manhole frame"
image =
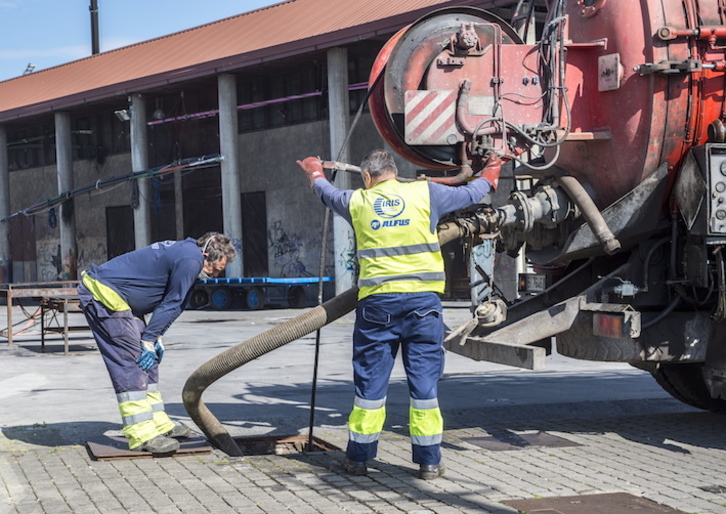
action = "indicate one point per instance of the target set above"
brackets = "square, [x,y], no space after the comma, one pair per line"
[280,444]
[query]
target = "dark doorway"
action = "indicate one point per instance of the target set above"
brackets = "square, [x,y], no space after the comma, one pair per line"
[119,230]
[163,213]
[22,250]
[202,202]
[22,238]
[254,234]
[457,271]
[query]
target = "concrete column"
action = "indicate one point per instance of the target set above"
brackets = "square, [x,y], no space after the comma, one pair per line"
[140,162]
[338,107]
[66,216]
[229,148]
[5,265]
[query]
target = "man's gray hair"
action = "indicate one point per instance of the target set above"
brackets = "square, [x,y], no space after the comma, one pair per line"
[379,162]
[216,246]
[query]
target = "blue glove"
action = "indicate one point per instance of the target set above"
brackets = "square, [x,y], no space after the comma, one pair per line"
[159,348]
[148,356]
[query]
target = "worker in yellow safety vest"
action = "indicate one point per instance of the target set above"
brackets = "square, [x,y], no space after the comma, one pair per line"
[401,276]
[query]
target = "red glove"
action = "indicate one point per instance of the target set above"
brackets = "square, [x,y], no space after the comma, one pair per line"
[491,170]
[313,168]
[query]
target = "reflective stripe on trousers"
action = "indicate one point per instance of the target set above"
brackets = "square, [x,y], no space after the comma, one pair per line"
[426,423]
[385,323]
[161,419]
[143,415]
[366,420]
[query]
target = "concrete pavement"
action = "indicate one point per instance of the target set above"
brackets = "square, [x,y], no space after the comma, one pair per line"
[624,434]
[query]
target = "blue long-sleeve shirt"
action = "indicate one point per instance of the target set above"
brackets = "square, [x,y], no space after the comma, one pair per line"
[444,199]
[155,279]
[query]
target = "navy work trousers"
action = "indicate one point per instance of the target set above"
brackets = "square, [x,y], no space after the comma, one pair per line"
[118,335]
[384,323]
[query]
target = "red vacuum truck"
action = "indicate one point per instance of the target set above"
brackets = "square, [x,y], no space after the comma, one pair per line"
[614,122]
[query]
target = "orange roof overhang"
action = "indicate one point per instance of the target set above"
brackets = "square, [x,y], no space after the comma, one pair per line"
[212,49]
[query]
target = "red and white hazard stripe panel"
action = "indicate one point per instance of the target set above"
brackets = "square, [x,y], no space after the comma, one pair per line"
[430,118]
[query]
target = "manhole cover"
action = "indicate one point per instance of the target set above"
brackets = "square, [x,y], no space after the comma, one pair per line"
[116,447]
[610,503]
[511,441]
[282,445]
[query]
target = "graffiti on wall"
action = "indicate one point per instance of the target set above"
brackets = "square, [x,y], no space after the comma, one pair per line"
[285,250]
[53,265]
[91,254]
[346,258]
[50,261]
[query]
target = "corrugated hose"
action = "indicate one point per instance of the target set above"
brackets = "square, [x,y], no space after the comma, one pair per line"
[235,357]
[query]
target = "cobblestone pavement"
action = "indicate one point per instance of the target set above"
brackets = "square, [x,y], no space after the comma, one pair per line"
[648,445]
[673,459]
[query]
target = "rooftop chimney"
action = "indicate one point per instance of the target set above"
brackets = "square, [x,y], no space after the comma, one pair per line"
[94,26]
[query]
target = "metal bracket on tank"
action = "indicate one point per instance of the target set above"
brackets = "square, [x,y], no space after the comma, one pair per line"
[669,67]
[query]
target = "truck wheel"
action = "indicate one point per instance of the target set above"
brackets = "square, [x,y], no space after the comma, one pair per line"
[685,383]
[198,299]
[221,298]
[296,297]
[255,298]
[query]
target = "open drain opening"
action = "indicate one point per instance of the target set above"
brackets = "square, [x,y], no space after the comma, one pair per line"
[282,445]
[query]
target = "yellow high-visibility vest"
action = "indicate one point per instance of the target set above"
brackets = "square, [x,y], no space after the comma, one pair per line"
[396,249]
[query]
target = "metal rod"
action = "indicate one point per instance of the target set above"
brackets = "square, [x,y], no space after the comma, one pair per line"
[326,220]
[341,166]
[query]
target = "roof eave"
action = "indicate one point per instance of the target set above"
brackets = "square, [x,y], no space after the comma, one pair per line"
[233,63]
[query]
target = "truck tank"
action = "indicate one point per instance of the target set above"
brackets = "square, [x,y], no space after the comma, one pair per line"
[613,120]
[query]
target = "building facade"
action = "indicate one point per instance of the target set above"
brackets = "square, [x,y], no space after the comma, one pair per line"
[103,155]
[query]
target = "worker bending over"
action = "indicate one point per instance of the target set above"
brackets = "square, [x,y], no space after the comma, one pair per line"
[401,275]
[116,296]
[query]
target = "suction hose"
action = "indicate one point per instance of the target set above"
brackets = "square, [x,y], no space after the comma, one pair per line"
[590,212]
[241,354]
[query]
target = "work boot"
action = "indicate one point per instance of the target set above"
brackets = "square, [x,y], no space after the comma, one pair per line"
[355,468]
[431,471]
[180,431]
[159,445]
